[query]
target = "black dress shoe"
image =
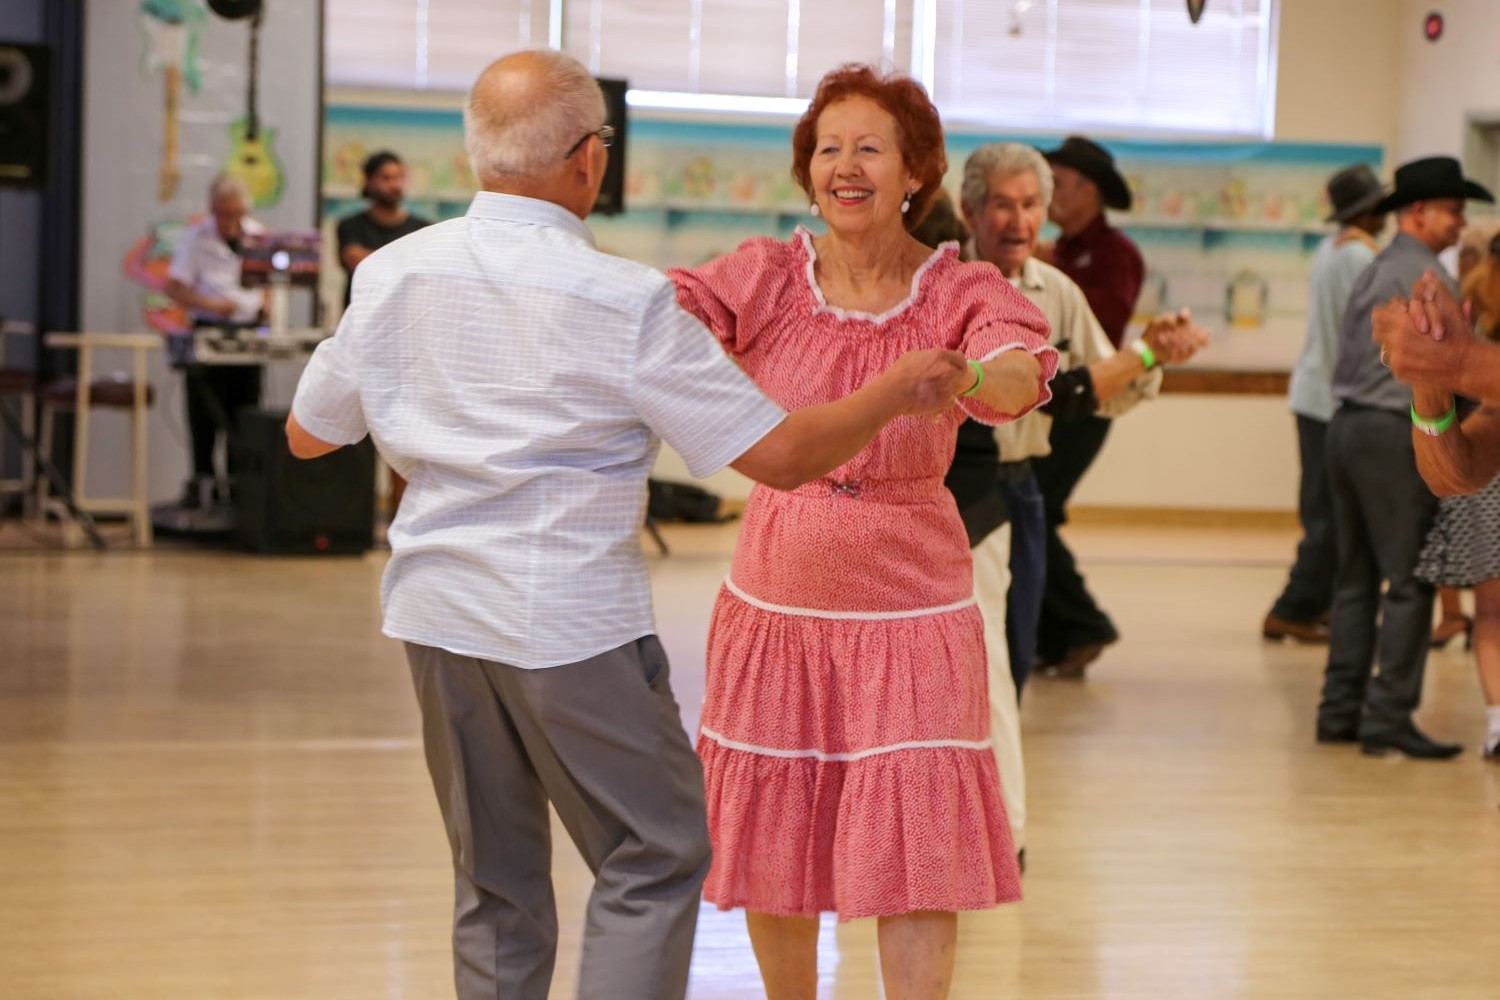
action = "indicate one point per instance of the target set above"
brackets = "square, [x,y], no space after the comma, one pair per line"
[1410,741]
[1338,734]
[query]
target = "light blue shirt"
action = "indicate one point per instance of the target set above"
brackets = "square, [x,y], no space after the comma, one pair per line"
[521,381]
[1330,283]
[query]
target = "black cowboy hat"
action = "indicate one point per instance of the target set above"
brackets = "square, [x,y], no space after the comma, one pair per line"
[1354,191]
[1429,178]
[1094,162]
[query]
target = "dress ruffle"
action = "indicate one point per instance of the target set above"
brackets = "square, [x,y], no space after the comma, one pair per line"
[889,834]
[848,766]
[1463,546]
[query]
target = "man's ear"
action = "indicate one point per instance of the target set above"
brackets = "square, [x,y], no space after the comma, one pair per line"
[598,164]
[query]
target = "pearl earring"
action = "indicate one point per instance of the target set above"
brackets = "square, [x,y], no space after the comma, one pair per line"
[906,205]
[813,208]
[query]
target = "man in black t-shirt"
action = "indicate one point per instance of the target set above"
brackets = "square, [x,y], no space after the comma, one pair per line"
[385,221]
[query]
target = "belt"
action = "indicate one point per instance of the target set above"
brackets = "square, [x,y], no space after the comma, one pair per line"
[878,490]
[1356,407]
[1015,472]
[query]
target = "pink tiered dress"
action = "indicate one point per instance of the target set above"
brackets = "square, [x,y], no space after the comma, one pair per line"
[845,732]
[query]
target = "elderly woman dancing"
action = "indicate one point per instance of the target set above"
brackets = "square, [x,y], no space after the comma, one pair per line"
[845,734]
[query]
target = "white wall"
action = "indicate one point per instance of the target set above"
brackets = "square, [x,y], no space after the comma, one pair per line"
[1234,453]
[1338,76]
[1448,83]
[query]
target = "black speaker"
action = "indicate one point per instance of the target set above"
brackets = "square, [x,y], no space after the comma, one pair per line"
[235,10]
[611,200]
[25,110]
[291,506]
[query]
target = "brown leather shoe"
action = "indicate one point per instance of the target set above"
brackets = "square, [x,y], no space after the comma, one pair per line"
[1277,628]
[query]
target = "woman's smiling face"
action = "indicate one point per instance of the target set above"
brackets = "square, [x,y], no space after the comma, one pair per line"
[859,176]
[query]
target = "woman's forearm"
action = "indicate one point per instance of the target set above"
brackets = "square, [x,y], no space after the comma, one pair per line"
[1479,374]
[1012,382]
[1465,457]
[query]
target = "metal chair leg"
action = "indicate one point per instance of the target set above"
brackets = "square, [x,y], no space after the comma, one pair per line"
[661,543]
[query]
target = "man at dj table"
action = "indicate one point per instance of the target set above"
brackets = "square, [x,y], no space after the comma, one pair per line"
[205,279]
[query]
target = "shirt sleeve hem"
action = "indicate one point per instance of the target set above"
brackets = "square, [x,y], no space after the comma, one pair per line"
[993,417]
[326,430]
[727,453]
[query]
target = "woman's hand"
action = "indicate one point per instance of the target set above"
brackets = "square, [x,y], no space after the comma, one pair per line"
[1174,338]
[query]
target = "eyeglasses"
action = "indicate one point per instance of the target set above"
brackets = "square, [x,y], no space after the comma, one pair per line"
[606,134]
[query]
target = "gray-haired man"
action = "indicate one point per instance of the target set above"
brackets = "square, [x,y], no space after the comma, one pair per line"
[1006,190]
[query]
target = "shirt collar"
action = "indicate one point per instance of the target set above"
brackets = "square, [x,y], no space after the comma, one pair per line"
[1031,275]
[1092,232]
[1088,235]
[1031,271]
[528,211]
[1410,244]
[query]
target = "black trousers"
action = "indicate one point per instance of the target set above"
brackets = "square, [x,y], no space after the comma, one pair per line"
[1309,588]
[215,395]
[1382,510]
[1070,617]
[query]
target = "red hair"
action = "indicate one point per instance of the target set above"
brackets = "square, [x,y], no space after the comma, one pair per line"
[919,128]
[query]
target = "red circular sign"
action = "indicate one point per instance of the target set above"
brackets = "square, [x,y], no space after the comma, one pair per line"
[1432,28]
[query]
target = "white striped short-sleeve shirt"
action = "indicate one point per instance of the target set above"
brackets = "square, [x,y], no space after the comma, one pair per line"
[522,381]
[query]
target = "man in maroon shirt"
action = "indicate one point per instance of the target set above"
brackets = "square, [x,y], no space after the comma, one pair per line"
[1104,262]
[1100,258]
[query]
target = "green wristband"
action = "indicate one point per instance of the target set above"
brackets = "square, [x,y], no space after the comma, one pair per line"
[978,379]
[1148,356]
[1434,427]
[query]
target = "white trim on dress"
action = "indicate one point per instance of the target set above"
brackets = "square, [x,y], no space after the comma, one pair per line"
[819,755]
[866,616]
[848,314]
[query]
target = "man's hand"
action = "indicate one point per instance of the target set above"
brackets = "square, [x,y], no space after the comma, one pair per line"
[923,383]
[180,293]
[1174,338]
[1425,339]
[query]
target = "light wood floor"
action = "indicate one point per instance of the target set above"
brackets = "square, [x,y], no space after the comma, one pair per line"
[212,788]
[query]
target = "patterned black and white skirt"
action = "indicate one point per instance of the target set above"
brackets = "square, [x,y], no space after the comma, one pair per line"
[1463,547]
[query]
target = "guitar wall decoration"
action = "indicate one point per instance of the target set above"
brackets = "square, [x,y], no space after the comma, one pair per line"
[171,28]
[252,156]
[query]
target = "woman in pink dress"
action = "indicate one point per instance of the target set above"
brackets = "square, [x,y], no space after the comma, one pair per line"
[845,732]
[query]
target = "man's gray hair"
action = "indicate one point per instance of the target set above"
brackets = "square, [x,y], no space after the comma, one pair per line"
[1003,158]
[229,186]
[513,134]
